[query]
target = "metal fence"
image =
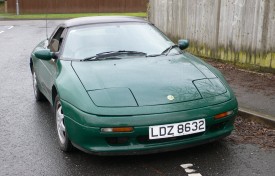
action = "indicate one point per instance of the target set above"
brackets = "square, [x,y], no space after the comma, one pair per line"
[77,6]
[241,31]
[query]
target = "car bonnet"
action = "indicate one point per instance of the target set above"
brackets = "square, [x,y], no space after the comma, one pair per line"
[146,81]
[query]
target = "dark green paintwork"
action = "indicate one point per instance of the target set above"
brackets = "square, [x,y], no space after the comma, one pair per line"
[44,54]
[133,92]
[111,97]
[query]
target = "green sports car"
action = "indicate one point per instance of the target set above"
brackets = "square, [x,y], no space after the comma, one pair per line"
[118,86]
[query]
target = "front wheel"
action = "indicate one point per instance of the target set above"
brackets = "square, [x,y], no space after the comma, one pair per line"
[37,93]
[64,142]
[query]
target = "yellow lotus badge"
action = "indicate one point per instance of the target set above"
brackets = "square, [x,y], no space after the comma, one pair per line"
[170,97]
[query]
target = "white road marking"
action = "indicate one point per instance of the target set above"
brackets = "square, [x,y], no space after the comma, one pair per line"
[195,174]
[1,32]
[190,171]
[10,27]
[185,166]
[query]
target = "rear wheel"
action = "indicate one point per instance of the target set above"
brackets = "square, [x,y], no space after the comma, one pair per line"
[64,142]
[37,93]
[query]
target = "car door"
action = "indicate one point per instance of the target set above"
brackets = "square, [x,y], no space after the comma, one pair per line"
[48,69]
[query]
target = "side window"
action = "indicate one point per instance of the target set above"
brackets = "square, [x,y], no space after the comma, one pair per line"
[56,41]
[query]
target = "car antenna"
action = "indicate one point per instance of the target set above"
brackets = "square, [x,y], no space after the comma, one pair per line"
[47,21]
[47,26]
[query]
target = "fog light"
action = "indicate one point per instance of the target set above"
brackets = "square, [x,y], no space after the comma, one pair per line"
[222,115]
[118,129]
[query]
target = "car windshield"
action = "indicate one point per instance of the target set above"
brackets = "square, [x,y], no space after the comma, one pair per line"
[90,40]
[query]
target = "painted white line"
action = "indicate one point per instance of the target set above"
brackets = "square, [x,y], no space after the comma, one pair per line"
[190,171]
[195,174]
[185,166]
[1,32]
[10,27]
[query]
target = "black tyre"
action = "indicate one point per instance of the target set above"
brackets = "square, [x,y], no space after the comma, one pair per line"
[63,140]
[37,93]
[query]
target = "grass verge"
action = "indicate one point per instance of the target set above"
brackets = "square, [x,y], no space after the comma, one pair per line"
[67,16]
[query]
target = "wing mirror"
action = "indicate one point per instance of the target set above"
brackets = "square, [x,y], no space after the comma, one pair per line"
[183,44]
[45,54]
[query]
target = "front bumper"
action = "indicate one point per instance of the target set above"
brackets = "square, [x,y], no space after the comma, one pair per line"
[84,130]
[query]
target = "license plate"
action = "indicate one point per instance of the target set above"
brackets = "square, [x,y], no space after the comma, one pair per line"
[177,129]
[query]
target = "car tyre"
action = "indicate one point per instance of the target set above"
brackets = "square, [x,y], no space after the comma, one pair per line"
[63,140]
[37,93]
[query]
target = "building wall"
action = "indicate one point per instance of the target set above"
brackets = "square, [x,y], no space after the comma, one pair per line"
[77,6]
[241,31]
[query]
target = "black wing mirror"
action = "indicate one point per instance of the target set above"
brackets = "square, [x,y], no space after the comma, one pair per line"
[183,44]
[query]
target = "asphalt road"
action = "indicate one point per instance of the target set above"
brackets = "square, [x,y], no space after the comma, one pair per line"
[28,142]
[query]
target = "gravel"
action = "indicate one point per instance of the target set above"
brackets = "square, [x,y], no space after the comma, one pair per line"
[251,132]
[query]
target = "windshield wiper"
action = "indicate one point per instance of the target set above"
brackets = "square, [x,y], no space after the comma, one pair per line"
[107,55]
[154,55]
[165,52]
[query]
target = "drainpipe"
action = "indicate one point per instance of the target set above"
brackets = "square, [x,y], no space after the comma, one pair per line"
[17,7]
[6,6]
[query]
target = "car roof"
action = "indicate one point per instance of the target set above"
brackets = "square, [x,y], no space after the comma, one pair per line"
[101,19]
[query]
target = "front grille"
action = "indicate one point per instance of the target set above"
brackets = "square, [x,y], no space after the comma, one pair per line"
[145,139]
[117,140]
